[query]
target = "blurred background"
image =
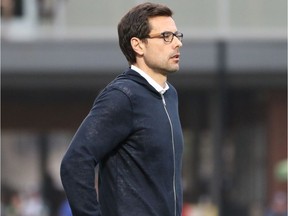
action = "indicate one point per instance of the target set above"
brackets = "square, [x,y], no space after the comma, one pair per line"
[56,55]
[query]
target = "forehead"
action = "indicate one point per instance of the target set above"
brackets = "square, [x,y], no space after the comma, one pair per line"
[162,23]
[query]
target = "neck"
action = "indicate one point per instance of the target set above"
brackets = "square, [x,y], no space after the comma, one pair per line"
[158,77]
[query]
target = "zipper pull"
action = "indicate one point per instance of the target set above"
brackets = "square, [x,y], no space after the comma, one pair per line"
[163,99]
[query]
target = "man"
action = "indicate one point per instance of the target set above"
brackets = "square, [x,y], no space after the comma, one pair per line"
[133,130]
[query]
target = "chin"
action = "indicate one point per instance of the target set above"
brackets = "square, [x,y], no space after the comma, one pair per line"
[173,70]
[170,70]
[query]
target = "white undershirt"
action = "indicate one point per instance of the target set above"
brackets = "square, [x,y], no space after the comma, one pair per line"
[151,81]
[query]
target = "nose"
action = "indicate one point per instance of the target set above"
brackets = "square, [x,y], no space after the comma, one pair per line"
[181,44]
[178,42]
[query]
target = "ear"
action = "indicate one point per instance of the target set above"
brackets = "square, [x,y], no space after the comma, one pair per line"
[137,45]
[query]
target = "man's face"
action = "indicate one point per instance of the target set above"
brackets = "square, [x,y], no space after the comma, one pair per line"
[160,56]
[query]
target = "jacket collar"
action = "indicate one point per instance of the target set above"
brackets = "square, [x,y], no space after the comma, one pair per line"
[141,80]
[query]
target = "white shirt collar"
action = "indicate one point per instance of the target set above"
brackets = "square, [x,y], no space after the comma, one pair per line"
[151,81]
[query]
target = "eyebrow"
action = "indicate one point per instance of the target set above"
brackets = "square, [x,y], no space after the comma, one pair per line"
[156,33]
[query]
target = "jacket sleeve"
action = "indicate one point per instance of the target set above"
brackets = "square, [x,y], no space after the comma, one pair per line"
[106,126]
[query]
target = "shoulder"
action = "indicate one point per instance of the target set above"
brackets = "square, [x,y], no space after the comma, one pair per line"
[123,84]
[119,91]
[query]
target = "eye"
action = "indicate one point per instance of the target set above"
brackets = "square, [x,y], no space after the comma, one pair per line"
[179,35]
[167,34]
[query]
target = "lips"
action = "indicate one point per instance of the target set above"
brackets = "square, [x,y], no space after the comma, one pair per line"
[176,56]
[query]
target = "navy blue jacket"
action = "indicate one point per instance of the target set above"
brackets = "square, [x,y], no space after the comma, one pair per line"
[135,136]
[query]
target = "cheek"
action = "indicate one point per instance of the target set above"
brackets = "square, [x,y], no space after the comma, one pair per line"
[158,56]
[155,59]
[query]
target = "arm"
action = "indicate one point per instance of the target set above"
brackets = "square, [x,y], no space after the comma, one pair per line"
[108,123]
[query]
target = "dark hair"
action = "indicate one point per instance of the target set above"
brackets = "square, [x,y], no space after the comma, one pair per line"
[136,24]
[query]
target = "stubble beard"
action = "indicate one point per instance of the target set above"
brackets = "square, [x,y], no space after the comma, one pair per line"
[164,69]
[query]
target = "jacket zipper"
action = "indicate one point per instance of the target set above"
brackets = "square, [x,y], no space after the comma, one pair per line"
[173,148]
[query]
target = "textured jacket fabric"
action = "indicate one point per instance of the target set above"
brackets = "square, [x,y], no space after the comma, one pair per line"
[135,136]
